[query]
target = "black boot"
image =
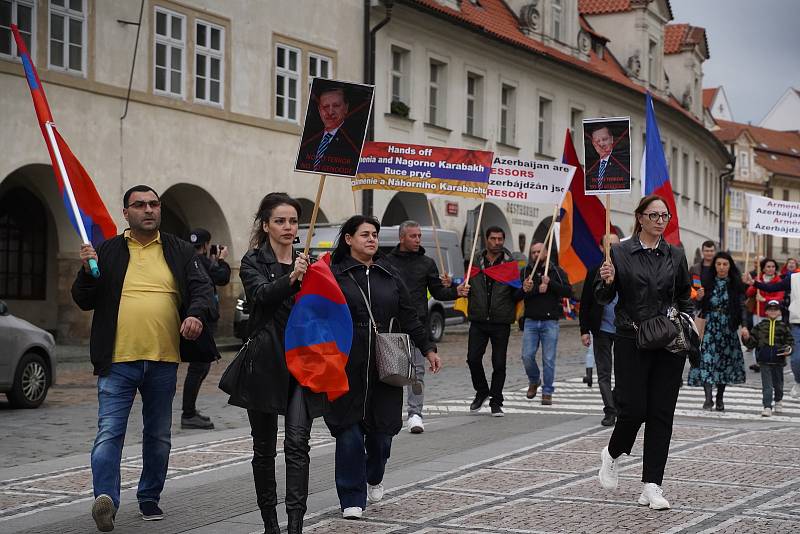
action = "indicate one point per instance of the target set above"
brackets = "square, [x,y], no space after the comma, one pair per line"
[588,378]
[720,393]
[295,521]
[709,403]
[270,517]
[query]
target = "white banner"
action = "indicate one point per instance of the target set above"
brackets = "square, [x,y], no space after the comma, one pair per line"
[531,181]
[779,218]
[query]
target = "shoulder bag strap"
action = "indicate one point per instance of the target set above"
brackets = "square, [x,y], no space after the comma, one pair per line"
[366,301]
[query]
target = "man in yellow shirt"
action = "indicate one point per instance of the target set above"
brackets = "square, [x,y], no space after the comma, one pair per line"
[151,292]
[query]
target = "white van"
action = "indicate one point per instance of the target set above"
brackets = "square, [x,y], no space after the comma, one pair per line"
[440,313]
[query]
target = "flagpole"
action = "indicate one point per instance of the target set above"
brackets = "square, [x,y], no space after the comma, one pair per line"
[607,245]
[48,126]
[474,243]
[436,238]
[550,240]
[355,205]
[314,213]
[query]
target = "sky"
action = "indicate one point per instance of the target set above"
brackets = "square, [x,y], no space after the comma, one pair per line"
[754,47]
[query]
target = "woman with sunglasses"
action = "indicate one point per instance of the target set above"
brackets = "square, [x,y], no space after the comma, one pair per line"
[649,276]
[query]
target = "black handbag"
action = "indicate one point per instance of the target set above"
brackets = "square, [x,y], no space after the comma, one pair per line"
[660,331]
[233,381]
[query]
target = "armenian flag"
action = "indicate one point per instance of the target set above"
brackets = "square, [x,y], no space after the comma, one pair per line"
[85,208]
[319,333]
[582,223]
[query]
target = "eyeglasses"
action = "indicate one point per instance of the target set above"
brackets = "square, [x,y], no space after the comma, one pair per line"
[653,216]
[140,204]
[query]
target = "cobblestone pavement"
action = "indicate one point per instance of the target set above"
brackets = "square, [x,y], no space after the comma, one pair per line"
[719,479]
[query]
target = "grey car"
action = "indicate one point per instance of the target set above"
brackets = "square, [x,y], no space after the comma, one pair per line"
[27,361]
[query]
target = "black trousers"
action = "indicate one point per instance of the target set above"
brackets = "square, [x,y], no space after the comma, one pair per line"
[195,374]
[479,336]
[264,429]
[647,385]
[603,342]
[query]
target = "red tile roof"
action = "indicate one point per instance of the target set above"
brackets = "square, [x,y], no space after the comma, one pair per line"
[778,163]
[681,37]
[495,19]
[708,96]
[787,143]
[599,7]
[585,26]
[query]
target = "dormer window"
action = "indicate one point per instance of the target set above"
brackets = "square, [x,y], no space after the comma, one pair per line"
[557,11]
[652,59]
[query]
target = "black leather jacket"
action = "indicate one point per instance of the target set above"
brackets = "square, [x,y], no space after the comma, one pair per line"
[648,281]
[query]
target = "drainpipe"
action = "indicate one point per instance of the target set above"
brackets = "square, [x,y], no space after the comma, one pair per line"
[369,78]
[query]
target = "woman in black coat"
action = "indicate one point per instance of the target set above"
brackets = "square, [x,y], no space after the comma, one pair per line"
[649,276]
[271,273]
[365,419]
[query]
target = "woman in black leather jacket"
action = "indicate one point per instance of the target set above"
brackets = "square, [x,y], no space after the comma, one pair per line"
[649,275]
[271,273]
[365,419]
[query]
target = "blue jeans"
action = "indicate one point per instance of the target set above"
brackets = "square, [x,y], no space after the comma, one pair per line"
[546,333]
[795,359]
[115,394]
[360,460]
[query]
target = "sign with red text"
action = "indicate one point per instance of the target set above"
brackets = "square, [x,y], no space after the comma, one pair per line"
[779,218]
[423,169]
[529,181]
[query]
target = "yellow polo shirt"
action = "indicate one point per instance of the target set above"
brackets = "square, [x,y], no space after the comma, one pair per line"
[148,323]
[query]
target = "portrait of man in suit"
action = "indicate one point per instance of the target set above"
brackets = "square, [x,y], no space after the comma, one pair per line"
[607,156]
[336,122]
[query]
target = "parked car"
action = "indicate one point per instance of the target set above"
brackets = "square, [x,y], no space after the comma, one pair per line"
[27,361]
[440,314]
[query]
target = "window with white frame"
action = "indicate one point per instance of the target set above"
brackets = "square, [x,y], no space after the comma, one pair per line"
[576,125]
[319,67]
[737,199]
[437,93]
[400,86]
[209,65]
[744,162]
[508,112]
[685,174]
[652,63]
[67,35]
[557,19]
[170,51]
[287,81]
[23,14]
[474,104]
[545,125]
[734,238]
[697,179]
[674,167]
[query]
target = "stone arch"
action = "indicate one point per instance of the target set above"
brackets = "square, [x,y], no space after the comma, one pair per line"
[492,216]
[186,206]
[307,208]
[34,185]
[406,205]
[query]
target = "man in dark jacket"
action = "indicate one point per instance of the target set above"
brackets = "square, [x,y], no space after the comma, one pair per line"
[543,310]
[491,311]
[421,276]
[597,329]
[212,259]
[151,292]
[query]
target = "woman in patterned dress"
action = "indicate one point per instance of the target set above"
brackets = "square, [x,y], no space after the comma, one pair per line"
[721,358]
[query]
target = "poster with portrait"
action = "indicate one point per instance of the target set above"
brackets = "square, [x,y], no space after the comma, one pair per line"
[607,155]
[337,115]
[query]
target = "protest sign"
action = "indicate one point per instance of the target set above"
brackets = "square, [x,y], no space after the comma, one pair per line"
[424,169]
[531,181]
[337,115]
[778,218]
[607,153]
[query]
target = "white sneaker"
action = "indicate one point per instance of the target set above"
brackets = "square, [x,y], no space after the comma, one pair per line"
[777,407]
[653,496]
[415,425]
[608,475]
[766,412]
[795,391]
[354,512]
[375,493]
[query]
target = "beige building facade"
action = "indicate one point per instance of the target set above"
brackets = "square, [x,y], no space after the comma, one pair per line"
[217,102]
